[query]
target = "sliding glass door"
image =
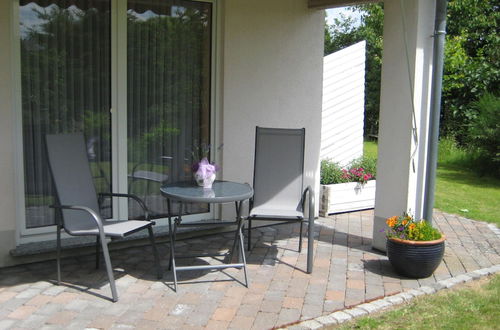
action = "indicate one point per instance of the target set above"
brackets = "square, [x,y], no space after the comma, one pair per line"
[168,93]
[67,86]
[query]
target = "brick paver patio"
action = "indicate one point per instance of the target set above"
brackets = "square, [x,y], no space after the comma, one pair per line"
[347,272]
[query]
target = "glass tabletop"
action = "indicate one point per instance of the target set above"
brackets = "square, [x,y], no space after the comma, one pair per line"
[221,192]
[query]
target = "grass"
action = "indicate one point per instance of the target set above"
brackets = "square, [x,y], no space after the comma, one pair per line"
[462,192]
[370,149]
[458,189]
[472,306]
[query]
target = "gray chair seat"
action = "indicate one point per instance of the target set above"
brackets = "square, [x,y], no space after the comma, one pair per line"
[263,212]
[117,229]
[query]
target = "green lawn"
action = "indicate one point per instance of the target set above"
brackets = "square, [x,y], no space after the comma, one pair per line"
[459,190]
[370,149]
[462,192]
[473,306]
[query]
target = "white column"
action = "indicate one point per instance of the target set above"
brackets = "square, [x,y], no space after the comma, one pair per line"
[406,80]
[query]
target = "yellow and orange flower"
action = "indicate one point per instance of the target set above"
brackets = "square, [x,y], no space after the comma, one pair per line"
[391,222]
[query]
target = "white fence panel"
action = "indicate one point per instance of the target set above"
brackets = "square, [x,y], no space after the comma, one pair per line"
[343,104]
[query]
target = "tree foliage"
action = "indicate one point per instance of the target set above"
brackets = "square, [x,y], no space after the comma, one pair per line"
[472,66]
[472,56]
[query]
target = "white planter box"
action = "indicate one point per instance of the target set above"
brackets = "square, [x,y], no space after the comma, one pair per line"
[345,197]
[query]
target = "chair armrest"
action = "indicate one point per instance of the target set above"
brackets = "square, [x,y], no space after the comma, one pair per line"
[310,192]
[132,196]
[96,217]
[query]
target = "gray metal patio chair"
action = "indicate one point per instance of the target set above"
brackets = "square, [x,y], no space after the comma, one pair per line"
[278,182]
[77,200]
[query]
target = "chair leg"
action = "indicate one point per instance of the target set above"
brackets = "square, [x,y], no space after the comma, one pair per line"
[249,235]
[97,252]
[58,255]
[310,245]
[155,252]
[300,236]
[109,269]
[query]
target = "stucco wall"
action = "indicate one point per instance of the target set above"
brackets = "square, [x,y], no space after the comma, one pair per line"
[272,77]
[7,200]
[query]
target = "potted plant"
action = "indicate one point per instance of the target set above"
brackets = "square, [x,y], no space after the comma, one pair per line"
[414,248]
[348,188]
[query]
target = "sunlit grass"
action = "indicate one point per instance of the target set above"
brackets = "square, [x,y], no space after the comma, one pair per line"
[459,190]
[462,192]
[472,307]
[370,149]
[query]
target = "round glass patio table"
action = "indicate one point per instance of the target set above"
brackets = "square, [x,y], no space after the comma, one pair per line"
[221,192]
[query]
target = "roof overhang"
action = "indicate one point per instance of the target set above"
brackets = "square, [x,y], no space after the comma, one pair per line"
[323,4]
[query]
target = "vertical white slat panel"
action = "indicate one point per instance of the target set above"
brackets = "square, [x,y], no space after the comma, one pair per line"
[343,104]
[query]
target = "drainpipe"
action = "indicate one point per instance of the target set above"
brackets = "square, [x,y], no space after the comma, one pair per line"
[435,111]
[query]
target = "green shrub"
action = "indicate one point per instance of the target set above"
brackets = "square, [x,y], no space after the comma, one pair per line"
[331,172]
[484,133]
[359,170]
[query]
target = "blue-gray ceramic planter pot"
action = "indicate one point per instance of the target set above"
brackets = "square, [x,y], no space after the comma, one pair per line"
[415,259]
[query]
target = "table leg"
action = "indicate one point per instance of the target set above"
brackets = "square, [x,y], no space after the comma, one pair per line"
[238,229]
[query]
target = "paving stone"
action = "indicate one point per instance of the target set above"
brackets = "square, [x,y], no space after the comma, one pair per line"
[341,317]
[450,282]
[327,320]
[395,300]
[265,320]
[381,303]
[33,321]
[464,278]
[356,312]
[54,290]
[416,292]
[428,289]
[311,324]
[28,293]
[481,272]
[369,307]
[7,324]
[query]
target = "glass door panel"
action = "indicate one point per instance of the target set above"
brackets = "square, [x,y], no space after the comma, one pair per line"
[168,94]
[65,87]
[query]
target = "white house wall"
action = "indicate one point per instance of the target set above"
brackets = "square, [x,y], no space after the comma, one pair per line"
[272,77]
[343,104]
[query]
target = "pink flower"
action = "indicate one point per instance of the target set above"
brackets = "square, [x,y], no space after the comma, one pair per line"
[205,169]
